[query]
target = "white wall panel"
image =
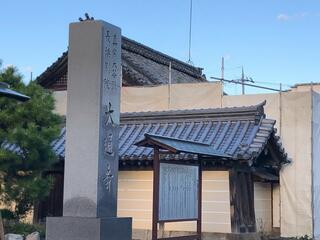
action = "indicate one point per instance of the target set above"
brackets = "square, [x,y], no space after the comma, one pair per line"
[178,192]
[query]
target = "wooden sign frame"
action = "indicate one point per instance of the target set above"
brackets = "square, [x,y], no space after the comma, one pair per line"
[155,210]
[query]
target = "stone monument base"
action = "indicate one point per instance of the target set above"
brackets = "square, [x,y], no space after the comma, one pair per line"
[84,228]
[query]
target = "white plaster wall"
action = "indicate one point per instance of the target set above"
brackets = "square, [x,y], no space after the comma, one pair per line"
[276,206]
[61,102]
[135,200]
[263,206]
[160,98]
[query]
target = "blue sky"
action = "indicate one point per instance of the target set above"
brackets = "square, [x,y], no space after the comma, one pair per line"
[275,40]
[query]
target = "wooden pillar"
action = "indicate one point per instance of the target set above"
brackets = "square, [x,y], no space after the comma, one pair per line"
[155,202]
[199,222]
[242,201]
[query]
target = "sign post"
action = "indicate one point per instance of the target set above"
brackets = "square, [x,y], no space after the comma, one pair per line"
[177,191]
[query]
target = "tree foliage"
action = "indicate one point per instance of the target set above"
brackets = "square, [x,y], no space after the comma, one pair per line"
[26,132]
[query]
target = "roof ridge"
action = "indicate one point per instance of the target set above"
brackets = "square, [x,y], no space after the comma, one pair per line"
[305,84]
[254,111]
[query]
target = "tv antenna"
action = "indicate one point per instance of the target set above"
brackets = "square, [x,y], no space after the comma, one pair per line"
[251,84]
[243,80]
[190,33]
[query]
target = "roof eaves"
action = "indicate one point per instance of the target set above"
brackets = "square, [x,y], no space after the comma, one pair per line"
[254,113]
[175,145]
[57,68]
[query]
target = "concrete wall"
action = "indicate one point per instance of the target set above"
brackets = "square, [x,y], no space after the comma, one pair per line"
[135,200]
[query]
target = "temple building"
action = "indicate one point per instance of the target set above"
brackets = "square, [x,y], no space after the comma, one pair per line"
[265,179]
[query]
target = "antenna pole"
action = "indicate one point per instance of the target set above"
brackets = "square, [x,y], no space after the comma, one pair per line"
[190,31]
[169,86]
[242,81]
[170,76]
[222,68]
[280,108]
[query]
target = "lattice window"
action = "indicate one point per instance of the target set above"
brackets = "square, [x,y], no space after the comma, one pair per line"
[60,83]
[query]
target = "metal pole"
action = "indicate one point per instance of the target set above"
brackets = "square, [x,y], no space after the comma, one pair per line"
[246,84]
[190,32]
[169,86]
[222,77]
[242,81]
[280,108]
[222,68]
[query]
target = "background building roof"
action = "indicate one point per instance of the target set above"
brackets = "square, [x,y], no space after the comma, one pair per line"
[141,65]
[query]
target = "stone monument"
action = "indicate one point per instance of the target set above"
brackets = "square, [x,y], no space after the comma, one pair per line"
[93,116]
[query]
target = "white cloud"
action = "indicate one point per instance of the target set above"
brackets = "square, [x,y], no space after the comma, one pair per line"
[283,17]
[288,17]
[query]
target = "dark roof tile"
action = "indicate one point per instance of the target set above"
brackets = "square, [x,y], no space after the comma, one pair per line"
[230,131]
[239,137]
[141,65]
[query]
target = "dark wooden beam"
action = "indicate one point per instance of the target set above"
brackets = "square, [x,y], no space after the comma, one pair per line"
[242,202]
[199,221]
[155,201]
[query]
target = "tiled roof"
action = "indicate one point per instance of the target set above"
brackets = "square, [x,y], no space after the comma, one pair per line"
[241,133]
[141,65]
